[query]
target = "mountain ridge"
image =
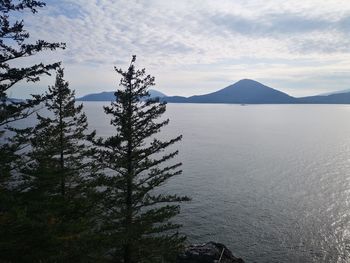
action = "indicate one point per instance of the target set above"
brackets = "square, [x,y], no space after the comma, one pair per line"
[244,91]
[109,96]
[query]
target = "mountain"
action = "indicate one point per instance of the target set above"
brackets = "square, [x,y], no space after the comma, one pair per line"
[334,92]
[245,91]
[109,96]
[156,93]
[14,100]
[337,98]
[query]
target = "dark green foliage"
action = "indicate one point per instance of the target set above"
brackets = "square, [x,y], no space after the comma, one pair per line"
[135,214]
[52,224]
[57,140]
[14,46]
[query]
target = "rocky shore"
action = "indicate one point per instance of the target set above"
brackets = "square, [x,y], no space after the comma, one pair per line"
[210,252]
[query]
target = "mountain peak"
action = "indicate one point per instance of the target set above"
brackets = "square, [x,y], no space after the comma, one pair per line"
[248,81]
[245,91]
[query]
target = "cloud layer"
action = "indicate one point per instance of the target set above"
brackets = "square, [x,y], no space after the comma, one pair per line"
[195,47]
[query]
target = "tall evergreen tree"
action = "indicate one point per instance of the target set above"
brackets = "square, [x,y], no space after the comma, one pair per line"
[55,224]
[136,214]
[14,46]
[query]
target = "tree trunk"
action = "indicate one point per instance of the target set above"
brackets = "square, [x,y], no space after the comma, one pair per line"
[63,192]
[128,227]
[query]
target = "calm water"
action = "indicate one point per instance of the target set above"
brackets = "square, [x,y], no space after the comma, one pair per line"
[269,181]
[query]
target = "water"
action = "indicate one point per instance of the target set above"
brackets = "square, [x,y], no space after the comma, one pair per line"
[269,181]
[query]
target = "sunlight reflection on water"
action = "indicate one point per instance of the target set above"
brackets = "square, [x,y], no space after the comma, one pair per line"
[269,181]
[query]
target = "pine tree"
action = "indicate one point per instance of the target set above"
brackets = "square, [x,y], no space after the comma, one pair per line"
[14,46]
[136,213]
[55,225]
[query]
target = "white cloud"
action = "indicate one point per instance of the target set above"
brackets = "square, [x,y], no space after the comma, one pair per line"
[176,40]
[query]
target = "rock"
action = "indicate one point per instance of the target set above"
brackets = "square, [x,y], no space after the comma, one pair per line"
[207,253]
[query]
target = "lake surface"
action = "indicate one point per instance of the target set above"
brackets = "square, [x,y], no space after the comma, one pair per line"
[269,181]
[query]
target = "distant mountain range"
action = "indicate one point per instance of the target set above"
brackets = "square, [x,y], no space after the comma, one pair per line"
[245,91]
[334,92]
[337,98]
[109,96]
[13,100]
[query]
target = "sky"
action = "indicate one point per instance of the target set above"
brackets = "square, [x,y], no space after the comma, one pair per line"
[301,47]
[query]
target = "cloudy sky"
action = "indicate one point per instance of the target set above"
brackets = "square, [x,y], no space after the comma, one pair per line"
[301,47]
